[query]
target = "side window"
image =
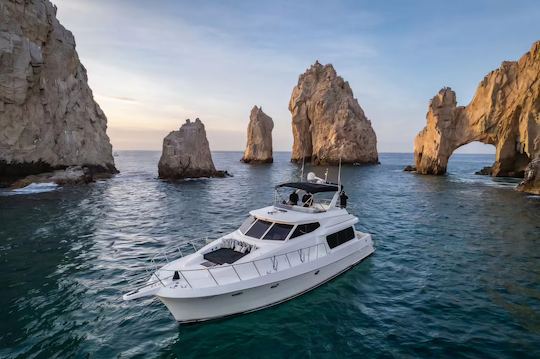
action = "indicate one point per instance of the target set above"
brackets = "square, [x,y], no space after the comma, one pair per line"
[340,237]
[302,229]
[247,223]
[258,228]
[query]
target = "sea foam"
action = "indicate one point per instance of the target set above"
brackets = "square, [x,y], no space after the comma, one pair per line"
[36,188]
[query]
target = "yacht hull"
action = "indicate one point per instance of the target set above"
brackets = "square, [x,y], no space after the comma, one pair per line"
[198,309]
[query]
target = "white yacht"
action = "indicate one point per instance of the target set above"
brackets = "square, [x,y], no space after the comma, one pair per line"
[278,253]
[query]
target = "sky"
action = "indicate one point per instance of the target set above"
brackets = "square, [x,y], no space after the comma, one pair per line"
[152,64]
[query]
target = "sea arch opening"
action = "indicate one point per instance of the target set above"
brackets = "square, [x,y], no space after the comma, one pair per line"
[473,157]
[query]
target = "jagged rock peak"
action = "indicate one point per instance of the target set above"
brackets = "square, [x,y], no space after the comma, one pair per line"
[186,153]
[504,112]
[48,116]
[259,137]
[327,121]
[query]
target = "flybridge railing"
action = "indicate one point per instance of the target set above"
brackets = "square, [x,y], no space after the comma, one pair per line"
[236,272]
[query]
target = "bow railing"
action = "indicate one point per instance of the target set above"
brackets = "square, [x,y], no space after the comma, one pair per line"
[231,273]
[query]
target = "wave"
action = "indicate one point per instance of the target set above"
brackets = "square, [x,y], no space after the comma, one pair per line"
[34,188]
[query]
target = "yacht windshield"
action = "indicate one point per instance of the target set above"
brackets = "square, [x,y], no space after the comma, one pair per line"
[247,223]
[278,232]
[258,228]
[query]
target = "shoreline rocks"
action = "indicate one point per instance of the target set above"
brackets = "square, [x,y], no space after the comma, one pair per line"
[409,168]
[48,116]
[505,112]
[327,121]
[70,176]
[531,180]
[259,138]
[486,171]
[186,154]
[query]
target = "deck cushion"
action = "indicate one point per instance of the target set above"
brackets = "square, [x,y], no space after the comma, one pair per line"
[223,256]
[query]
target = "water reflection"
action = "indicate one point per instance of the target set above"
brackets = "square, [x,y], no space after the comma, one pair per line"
[455,268]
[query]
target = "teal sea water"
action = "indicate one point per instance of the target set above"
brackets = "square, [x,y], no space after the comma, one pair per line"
[456,272]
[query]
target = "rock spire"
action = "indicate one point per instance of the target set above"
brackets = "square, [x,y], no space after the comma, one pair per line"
[186,154]
[259,137]
[327,121]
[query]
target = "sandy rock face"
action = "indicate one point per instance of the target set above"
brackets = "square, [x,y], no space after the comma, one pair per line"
[259,137]
[186,154]
[327,121]
[504,112]
[48,118]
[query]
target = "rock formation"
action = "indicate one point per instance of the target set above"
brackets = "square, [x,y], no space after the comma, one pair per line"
[531,180]
[186,154]
[48,118]
[259,137]
[409,168]
[327,121]
[505,112]
[69,176]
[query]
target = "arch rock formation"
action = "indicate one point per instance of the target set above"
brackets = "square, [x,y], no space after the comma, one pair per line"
[505,112]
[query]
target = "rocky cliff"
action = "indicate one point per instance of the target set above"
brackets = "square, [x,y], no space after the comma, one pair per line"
[48,118]
[327,121]
[186,154]
[531,178]
[505,112]
[259,137]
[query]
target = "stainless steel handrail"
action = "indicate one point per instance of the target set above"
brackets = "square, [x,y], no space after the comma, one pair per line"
[176,248]
[234,266]
[301,253]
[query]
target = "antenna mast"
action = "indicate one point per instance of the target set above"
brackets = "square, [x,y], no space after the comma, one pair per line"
[303,160]
[339,175]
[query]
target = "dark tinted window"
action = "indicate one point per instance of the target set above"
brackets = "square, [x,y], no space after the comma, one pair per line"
[302,229]
[278,232]
[340,237]
[258,229]
[247,223]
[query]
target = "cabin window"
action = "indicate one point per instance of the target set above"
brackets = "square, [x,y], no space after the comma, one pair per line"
[302,229]
[258,228]
[247,223]
[340,237]
[278,232]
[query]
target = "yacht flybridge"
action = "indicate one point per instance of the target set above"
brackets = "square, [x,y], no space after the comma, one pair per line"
[278,253]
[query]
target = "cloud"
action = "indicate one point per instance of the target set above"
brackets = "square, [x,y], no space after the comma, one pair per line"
[154,64]
[117,98]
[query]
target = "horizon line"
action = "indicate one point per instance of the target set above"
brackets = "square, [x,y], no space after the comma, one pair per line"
[241,151]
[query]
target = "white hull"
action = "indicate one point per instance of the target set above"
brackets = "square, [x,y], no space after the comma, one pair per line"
[198,309]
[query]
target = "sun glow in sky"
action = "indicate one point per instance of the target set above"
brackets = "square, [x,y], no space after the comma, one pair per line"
[152,64]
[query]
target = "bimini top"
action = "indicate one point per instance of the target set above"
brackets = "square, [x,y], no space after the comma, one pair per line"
[311,187]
